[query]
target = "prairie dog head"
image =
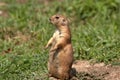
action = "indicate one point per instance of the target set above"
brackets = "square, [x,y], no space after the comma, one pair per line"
[59,20]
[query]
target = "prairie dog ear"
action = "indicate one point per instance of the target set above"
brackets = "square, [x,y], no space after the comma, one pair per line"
[69,20]
[65,22]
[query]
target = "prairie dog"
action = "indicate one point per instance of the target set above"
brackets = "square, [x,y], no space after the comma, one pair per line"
[61,52]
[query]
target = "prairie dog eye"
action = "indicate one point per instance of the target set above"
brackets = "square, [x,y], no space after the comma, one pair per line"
[57,17]
[63,20]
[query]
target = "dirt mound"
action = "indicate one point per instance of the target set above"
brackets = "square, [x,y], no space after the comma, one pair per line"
[98,71]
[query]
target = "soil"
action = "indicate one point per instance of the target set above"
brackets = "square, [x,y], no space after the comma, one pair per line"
[97,71]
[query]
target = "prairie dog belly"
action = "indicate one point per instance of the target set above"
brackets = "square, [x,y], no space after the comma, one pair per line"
[56,36]
[52,67]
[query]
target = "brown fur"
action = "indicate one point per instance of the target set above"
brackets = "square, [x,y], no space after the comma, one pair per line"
[61,52]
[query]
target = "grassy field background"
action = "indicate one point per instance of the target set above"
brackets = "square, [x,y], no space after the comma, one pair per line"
[25,30]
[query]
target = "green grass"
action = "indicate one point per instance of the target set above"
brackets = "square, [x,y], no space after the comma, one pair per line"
[95,27]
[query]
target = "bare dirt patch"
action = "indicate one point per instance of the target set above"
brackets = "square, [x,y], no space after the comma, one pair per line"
[12,34]
[22,1]
[97,71]
[3,13]
[2,4]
